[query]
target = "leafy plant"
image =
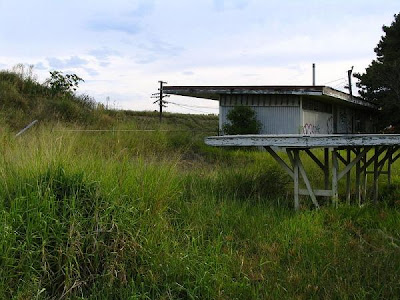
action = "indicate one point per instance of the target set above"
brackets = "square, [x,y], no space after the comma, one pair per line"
[242,120]
[63,84]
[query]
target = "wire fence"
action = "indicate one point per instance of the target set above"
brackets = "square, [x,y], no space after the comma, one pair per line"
[132,130]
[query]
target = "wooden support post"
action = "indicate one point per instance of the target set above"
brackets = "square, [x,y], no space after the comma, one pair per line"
[280,161]
[386,158]
[372,159]
[315,159]
[296,180]
[352,163]
[326,169]
[358,175]
[391,160]
[335,167]
[396,157]
[291,157]
[376,174]
[348,178]
[340,157]
[389,167]
[365,177]
[305,179]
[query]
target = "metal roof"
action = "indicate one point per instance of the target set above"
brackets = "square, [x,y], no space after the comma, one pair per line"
[305,141]
[323,92]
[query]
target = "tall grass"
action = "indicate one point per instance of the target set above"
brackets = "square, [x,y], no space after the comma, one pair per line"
[161,216]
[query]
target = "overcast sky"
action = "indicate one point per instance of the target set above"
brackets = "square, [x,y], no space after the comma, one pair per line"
[122,48]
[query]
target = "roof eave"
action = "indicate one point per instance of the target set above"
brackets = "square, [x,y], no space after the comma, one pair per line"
[213,92]
[330,92]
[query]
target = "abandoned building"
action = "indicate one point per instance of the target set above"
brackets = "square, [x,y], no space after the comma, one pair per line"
[290,109]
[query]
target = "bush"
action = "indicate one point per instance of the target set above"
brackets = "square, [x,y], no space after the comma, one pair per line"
[242,120]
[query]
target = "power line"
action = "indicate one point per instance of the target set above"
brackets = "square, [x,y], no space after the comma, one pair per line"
[342,78]
[184,107]
[195,106]
[342,83]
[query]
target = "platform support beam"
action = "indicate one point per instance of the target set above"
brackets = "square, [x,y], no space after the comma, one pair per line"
[376,174]
[365,177]
[296,180]
[280,161]
[389,167]
[358,175]
[305,179]
[326,170]
[335,167]
[348,178]
[361,162]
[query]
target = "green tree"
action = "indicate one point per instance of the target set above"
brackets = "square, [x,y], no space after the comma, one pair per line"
[61,84]
[381,81]
[242,120]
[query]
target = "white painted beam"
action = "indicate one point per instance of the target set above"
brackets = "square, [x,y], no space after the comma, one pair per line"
[305,141]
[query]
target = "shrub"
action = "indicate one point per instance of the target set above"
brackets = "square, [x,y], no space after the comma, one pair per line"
[242,120]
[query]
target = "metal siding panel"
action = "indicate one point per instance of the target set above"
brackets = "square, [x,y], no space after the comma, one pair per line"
[274,119]
[279,119]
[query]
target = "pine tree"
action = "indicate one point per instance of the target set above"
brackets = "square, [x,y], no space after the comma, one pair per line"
[381,81]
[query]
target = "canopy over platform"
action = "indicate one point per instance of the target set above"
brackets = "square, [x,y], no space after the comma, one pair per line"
[323,93]
[305,141]
[355,147]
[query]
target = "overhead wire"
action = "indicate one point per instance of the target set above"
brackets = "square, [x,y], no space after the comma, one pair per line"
[342,78]
[195,106]
[190,107]
[343,82]
[184,107]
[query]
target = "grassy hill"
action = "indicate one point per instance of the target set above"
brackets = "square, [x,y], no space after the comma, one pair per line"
[23,99]
[159,215]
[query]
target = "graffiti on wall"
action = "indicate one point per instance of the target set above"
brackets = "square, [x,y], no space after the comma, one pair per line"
[311,129]
[317,123]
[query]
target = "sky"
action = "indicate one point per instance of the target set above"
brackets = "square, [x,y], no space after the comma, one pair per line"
[123,48]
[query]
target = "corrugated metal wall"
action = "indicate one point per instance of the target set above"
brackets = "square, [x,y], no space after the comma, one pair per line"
[315,122]
[274,119]
[280,114]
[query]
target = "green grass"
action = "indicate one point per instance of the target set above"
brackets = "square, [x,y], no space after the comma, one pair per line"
[161,216]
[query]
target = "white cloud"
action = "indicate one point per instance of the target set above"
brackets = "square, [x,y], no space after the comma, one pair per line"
[71,62]
[123,48]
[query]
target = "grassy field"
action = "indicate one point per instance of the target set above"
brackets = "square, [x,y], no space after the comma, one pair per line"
[159,215]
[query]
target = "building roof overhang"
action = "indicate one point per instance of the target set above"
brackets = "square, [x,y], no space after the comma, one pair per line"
[324,93]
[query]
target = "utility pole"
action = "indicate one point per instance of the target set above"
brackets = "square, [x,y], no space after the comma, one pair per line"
[349,73]
[160,96]
[313,74]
